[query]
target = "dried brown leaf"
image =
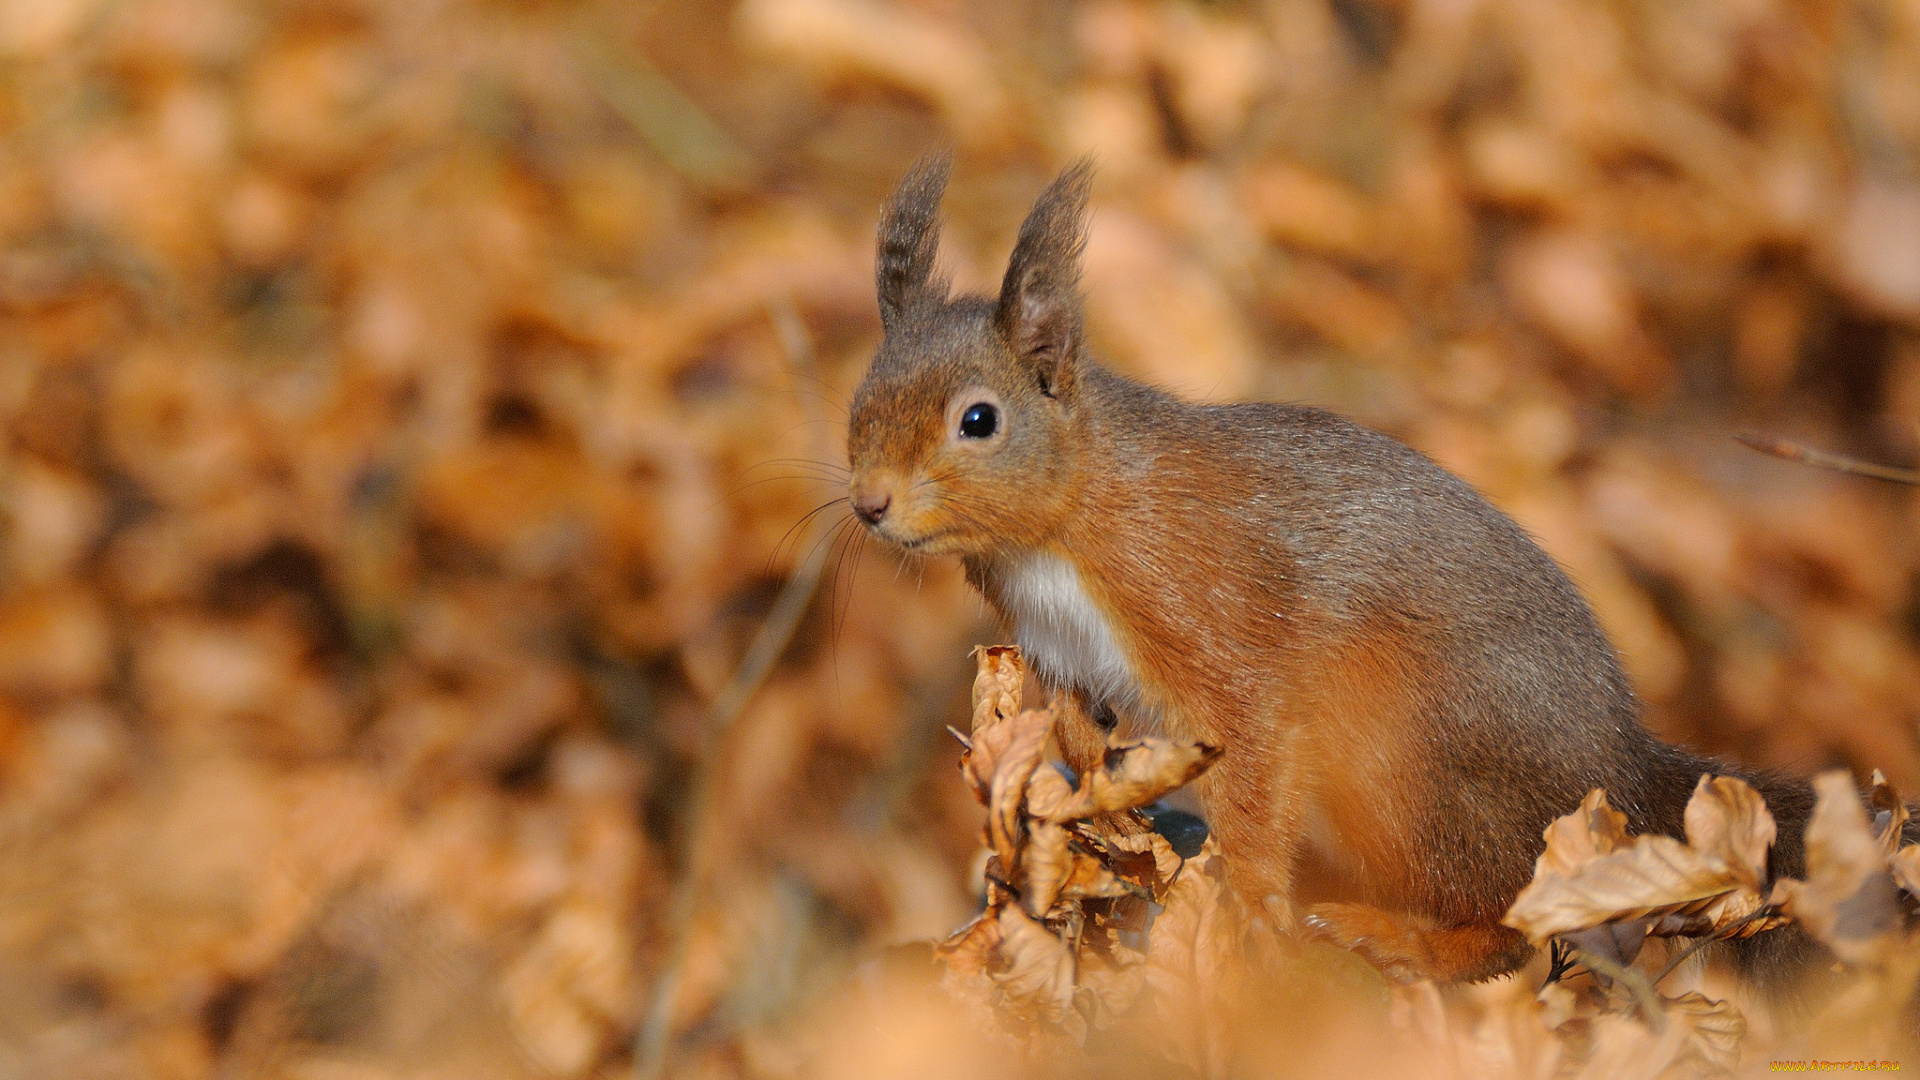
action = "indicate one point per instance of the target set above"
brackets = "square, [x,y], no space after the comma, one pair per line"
[1715,1030]
[1037,972]
[1135,774]
[1111,985]
[1007,788]
[1848,901]
[1090,879]
[974,948]
[1622,1048]
[982,757]
[997,683]
[1191,967]
[1889,812]
[1586,879]
[968,957]
[1048,793]
[1593,830]
[1047,863]
[1906,869]
[1728,819]
[1146,860]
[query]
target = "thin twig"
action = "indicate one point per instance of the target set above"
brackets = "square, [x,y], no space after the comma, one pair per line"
[654,1040]
[670,122]
[1807,455]
[1722,934]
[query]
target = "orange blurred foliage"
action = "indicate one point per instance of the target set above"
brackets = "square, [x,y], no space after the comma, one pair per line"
[408,408]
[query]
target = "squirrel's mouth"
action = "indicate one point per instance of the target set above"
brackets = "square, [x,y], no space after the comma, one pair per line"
[909,543]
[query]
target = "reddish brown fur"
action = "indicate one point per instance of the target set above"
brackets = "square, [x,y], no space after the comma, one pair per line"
[1408,689]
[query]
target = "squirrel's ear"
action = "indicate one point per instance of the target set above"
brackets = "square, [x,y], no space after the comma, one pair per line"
[909,239]
[1039,309]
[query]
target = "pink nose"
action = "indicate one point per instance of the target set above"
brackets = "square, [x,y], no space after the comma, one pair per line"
[871,505]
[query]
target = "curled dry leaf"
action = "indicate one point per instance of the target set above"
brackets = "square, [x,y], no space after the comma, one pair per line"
[1697,1037]
[1090,879]
[1070,935]
[1111,983]
[1022,756]
[1587,876]
[1848,901]
[1190,962]
[970,950]
[1906,869]
[997,685]
[1047,793]
[996,700]
[1714,1032]
[1726,817]
[1036,976]
[1049,863]
[1889,812]
[1593,830]
[1146,860]
[1135,774]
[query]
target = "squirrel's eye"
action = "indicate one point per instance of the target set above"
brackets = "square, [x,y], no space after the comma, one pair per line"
[980,421]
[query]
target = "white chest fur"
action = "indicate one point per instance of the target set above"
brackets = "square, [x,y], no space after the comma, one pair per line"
[1064,634]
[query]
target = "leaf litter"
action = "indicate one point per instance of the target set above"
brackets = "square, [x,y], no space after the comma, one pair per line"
[1095,928]
[1091,916]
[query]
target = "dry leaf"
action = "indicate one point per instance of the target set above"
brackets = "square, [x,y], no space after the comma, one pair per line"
[1593,830]
[1153,863]
[973,949]
[1848,901]
[1048,793]
[1048,863]
[1083,864]
[1906,869]
[1135,774]
[1111,985]
[1889,812]
[997,685]
[1191,957]
[1091,879]
[1728,819]
[1586,878]
[1008,788]
[1037,972]
[1715,1031]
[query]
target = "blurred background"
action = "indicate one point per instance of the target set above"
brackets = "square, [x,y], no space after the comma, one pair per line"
[411,411]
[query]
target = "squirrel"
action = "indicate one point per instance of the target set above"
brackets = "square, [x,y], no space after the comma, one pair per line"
[1408,689]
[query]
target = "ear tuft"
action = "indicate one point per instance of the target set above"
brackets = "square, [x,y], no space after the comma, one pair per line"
[1039,312]
[910,238]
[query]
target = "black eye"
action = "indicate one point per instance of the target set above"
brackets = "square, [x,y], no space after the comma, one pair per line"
[980,421]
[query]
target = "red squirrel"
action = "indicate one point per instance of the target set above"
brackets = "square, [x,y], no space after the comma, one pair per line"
[1407,688]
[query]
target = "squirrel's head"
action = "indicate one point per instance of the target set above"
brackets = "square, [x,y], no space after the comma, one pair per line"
[961,434]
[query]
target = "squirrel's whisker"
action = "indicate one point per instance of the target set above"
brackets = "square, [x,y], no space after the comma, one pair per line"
[774,557]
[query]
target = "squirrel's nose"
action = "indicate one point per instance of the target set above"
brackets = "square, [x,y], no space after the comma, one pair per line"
[871,505]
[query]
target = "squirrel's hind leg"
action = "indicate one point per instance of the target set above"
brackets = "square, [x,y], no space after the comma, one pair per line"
[1408,947]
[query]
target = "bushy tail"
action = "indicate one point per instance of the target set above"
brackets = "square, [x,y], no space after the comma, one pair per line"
[1776,962]
[1787,964]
